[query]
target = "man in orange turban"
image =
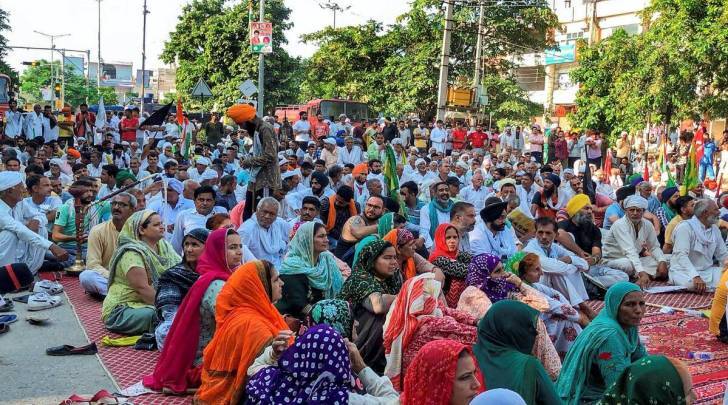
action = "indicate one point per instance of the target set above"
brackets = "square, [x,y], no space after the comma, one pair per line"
[265,174]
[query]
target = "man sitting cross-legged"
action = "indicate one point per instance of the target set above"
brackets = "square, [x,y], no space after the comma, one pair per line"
[699,252]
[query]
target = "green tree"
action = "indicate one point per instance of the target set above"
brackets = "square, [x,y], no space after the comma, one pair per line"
[4,67]
[396,68]
[35,78]
[210,42]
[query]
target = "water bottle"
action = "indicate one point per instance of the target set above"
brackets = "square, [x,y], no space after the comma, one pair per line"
[700,356]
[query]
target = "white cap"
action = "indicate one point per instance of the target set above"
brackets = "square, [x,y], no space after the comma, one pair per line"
[203,161]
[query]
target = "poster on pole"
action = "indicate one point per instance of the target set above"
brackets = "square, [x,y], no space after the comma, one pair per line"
[261,37]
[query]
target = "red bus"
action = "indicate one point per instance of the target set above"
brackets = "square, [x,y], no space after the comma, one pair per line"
[356,111]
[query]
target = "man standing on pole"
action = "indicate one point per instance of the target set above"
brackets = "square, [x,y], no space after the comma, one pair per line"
[265,175]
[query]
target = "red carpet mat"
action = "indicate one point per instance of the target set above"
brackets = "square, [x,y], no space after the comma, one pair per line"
[126,365]
[675,336]
[681,299]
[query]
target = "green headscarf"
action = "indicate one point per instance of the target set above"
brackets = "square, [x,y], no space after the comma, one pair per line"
[506,336]
[360,245]
[130,241]
[385,224]
[124,175]
[577,365]
[323,275]
[335,313]
[362,281]
[649,380]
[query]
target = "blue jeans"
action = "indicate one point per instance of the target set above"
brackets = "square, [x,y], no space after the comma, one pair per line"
[702,170]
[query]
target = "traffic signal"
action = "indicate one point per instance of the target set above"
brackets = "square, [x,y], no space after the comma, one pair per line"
[57,90]
[33,63]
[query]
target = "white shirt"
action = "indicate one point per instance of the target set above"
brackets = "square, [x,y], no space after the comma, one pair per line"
[355,156]
[526,196]
[94,171]
[623,241]
[168,213]
[13,123]
[301,130]
[49,134]
[197,176]
[188,220]
[33,125]
[171,129]
[686,258]
[475,197]
[30,210]
[438,137]
[105,190]
[442,217]
[260,240]
[11,222]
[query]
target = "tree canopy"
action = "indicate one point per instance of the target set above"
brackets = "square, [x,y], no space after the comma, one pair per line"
[396,68]
[4,67]
[38,77]
[210,42]
[674,69]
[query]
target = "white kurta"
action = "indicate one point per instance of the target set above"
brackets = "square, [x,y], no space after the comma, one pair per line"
[20,244]
[266,244]
[622,245]
[563,277]
[442,218]
[188,220]
[689,260]
[475,197]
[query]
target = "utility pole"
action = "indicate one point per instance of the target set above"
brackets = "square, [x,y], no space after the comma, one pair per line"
[144,55]
[53,47]
[98,55]
[479,48]
[334,7]
[444,61]
[261,68]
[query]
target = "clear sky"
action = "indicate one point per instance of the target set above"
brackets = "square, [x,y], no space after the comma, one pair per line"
[121,25]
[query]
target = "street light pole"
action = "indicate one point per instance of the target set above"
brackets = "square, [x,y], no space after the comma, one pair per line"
[144,55]
[444,61]
[261,68]
[53,47]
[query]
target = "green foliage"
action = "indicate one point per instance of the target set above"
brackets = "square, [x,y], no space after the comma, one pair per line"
[4,67]
[675,69]
[396,68]
[35,78]
[210,42]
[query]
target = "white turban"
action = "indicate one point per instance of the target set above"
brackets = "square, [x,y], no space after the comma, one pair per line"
[635,201]
[203,161]
[420,160]
[463,165]
[500,183]
[330,141]
[9,180]
[208,175]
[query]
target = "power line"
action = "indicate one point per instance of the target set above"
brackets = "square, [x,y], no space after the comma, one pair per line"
[334,7]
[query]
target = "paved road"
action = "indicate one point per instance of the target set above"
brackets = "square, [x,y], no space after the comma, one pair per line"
[29,376]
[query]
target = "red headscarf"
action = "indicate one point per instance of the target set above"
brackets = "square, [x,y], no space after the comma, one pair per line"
[174,368]
[440,248]
[431,374]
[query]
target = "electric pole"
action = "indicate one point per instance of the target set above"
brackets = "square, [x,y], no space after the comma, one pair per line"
[444,61]
[98,55]
[144,55]
[53,47]
[334,7]
[479,48]
[261,68]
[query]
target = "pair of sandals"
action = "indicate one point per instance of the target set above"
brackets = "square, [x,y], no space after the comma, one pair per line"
[5,321]
[101,397]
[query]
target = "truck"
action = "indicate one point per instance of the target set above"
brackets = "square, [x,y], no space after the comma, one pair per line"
[330,108]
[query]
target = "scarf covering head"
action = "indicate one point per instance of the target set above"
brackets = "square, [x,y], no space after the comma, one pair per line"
[335,313]
[174,283]
[246,321]
[174,369]
[323,274]
[479,275]
[506,336]
[385,224]
[430,376]
[440,248]
[416,300]
[130,241]
[649,380]
[315,370]
[583,353]
[362,281]
[434,208]
[398,238]
[359,246]
[498,396]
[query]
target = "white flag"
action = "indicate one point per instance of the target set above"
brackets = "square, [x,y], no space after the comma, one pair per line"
[100,122]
